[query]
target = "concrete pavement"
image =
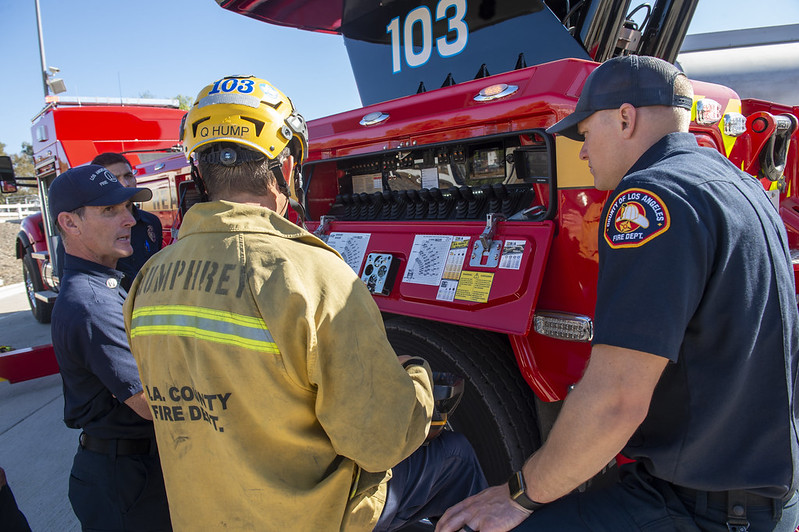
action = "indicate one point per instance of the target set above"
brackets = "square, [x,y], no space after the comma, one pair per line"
[18,328]
[36,448]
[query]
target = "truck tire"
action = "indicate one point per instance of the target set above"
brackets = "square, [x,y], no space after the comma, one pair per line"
[497,411]
[33,283]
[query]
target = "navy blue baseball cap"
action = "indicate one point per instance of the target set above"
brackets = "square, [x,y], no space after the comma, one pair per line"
[640,81]
[90,185]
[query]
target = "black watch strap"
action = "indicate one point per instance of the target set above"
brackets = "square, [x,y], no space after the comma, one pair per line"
[517,489]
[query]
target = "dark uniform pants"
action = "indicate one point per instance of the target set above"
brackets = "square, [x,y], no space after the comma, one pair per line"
[120,493]
[433,478]
[640,502]
[11,518]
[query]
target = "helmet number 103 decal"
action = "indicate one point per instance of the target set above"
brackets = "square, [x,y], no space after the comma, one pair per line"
[244,86]
[401,33]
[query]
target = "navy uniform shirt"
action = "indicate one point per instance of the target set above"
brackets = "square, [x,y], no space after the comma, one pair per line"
[91,347]
[146,239]
[695,267]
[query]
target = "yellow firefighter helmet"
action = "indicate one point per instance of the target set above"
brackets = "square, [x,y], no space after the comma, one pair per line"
[248,111]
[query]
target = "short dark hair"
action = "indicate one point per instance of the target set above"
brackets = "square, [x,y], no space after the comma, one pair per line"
[108,158]
[252,177]
[79,212]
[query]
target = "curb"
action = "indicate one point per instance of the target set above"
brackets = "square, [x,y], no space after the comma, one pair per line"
[12,289]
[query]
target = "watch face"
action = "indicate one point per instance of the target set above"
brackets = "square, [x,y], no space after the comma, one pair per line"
[516,484]
[517,490]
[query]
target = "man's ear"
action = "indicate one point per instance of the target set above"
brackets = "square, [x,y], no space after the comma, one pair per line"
[288,166]
[627,115]
[68,222]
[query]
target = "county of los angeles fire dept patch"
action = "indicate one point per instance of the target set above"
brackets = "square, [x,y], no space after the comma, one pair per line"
[635,217]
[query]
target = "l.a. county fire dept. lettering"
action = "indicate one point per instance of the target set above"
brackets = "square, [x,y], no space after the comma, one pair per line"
[635,217]
[204,407]
[219,326]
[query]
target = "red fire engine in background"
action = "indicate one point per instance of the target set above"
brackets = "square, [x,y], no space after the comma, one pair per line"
[474,229]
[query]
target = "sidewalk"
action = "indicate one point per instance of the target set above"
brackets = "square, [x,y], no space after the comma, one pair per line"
[36,450]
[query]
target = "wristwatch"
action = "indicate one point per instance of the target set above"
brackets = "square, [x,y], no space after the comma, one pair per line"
[517,493]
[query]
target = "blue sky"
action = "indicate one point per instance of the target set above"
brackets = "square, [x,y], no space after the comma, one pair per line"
[115,48]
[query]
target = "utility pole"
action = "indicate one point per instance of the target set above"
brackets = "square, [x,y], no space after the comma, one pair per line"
[41,50]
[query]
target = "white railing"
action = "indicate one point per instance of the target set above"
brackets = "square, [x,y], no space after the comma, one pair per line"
[17,211]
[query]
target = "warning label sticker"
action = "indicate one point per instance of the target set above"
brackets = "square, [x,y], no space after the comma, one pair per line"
[474,286]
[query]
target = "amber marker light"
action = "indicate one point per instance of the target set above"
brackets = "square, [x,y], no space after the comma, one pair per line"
[493,92]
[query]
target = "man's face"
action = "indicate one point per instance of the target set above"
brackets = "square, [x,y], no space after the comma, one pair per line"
[103,234]
[123,173]
[601,148]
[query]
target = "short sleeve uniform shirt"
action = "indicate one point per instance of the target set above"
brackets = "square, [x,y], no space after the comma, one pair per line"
[146,239]
[694,267]
[91,347]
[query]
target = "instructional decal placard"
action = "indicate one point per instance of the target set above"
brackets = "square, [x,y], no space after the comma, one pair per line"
[512,253]
[453,268]
[427,259]
[430,178]
[351,246]
[455,257]
[447,290]
[474,286]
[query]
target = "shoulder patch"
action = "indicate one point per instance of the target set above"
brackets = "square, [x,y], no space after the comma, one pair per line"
[635,217]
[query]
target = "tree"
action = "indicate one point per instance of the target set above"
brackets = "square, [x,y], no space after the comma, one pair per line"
[185,101]
[23,161]
[23,167]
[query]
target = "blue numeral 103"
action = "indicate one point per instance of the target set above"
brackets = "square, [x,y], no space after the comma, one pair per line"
[243,86]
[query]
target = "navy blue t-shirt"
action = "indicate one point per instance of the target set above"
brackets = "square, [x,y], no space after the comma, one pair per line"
[91,346]
[695,267]
[146,239]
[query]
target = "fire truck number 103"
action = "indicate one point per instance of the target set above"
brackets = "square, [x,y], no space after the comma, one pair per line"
[422,16]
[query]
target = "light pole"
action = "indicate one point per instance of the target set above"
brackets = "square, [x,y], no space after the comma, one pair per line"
[49,84]
[41,51]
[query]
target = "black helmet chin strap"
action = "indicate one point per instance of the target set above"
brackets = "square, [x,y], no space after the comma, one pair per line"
[198,181]
[277,170]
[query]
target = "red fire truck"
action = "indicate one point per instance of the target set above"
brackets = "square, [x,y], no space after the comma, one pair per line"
[475,230]
[72,131]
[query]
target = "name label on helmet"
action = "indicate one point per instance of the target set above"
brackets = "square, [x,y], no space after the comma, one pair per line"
[224,131]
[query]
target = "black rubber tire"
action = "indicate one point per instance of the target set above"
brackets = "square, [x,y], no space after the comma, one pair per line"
[497,412]
[33,283]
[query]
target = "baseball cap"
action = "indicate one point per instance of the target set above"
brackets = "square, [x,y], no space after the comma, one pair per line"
[90,185]
[640,81]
